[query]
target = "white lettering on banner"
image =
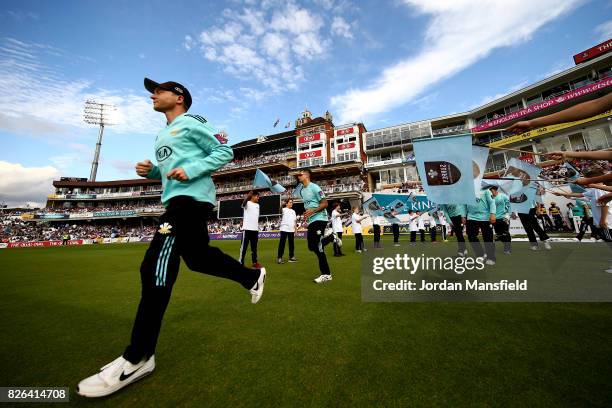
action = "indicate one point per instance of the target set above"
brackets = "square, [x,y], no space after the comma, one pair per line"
[585,90]
[346,146]
[341,132]
[593,52]
[311,138]
[308,155]
[34,244]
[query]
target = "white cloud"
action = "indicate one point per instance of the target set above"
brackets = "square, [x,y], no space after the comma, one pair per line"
[188,42]
[459,33]
[19,184]
[21,16]
[49,103]
[268,43]
[341,28]
[604,30]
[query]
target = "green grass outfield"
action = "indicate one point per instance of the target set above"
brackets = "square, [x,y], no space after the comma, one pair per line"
[67,311]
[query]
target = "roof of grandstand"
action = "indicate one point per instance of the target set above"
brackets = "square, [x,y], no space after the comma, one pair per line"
[115,183]
[270,138]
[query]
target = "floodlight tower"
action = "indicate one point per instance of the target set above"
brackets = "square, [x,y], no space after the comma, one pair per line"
[101,114]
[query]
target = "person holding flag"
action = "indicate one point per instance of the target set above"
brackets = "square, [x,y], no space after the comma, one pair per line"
[480,216]
[601,212]
[502,218]
[533,227]
[456,214]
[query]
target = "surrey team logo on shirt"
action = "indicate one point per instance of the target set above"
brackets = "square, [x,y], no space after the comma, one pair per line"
[163,153]
[164,228]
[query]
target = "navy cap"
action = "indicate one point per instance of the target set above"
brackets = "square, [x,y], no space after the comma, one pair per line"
[171,86]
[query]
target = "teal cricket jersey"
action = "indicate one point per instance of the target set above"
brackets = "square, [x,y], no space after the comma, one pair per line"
[453,210]
[578,210]
[312,195]
[190,142]
[502,205]
[484,207]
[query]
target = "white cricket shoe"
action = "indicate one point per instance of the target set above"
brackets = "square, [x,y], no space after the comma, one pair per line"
[114,376]
[323,279]
[547,245]
[257,289]
[490,262]
[534,248]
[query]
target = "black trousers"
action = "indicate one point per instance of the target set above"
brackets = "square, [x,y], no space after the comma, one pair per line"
[530,223]
[458,230]
[432,233]
[316,244]
[422,234]
[587,222]
[358,241]
[376,233]
[396,232]
[558,222]
[286,236]
[548,225]
[502,230]
[183,232]
[570,223]
[251,237]
[337,249]
[473,228]
[413,236]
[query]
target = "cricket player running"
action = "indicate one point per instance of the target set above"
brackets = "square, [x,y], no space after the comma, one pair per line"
[315,205]
[188,150]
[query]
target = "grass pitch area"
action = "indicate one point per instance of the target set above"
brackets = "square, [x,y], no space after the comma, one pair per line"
[68,311]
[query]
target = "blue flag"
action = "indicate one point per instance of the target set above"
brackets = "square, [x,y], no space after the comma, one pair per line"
[521,199]
[445,168]
[262,180]
[298,190]
[572,174]
[480,154]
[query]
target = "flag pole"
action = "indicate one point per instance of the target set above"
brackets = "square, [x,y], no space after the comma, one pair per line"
[484,132]
[516,178]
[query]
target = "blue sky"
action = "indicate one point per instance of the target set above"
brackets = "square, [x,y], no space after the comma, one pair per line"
[249,62]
